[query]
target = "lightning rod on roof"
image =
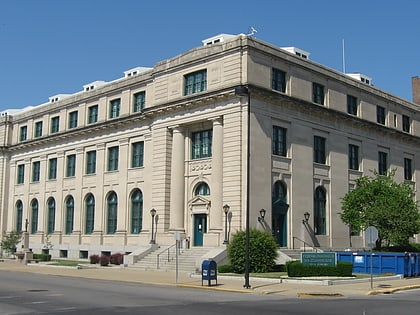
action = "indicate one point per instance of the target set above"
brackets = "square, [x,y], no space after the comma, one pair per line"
[344,58]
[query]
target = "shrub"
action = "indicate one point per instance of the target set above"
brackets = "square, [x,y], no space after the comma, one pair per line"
[42,257]
[116,259]
[104,260]
[225,269]
[94,259]
[297,269]
[262,251]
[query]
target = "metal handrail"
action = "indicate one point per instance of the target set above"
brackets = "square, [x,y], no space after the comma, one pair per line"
[304,244]
[164,251]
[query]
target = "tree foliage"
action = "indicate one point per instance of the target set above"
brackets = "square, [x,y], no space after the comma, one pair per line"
[381,202]
[262,251]
[10,241]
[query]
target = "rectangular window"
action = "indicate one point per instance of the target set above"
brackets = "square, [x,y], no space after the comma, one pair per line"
[52,168]
[353,157]
[137,152]
[319,150]
[36,171]
[55,124]
[278,80]
[20,174]
[201,144]
[114,108]
[279,141]
[380,115]
[408,169]
[73,116]
[406,123]
[318,93]
[352,105]
[91,162]
[71,165]
[195,82]
[23,133]
[92,114]
[113,158]
[139,101]
[382,163]
[38,129]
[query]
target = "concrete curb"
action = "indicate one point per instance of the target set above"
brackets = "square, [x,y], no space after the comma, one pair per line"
[392,290]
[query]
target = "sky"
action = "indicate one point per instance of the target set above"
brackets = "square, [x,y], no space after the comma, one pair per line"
[50,47]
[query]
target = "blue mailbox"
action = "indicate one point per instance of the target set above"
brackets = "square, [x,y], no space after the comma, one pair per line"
[208,271]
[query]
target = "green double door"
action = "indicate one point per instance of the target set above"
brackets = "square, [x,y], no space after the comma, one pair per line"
[200,227]
[279,222]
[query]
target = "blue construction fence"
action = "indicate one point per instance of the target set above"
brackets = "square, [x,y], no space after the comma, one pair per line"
[407,264]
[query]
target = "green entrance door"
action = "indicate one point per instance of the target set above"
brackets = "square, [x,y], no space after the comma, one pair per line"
[279,222]
[200,227]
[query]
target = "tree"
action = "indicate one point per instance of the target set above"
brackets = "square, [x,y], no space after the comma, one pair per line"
[262,251]
[10,241]
[381,202]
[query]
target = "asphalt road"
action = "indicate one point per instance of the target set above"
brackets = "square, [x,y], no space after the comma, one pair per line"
[27,293]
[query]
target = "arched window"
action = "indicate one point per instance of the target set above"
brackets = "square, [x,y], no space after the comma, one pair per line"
[19,215]
[51,216]
[89,214]
[69,215]
[112,202]
[136,211]
[34,216]
[202,189]
[320,200]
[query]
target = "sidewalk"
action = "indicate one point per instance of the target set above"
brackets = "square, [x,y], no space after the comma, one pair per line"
[295,288]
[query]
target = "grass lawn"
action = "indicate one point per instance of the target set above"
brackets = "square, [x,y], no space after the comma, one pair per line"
[67,263]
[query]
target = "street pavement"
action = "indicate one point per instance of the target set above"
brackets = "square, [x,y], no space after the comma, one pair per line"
[284,287]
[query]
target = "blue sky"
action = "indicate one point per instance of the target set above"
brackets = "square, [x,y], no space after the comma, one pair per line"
[49,47]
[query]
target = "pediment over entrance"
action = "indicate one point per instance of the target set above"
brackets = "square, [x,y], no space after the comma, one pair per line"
[199,204]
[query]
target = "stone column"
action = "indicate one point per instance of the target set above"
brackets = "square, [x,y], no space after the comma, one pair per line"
[176,211]
[216,189]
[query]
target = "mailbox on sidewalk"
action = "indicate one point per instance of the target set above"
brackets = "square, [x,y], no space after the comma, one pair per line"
[208,271]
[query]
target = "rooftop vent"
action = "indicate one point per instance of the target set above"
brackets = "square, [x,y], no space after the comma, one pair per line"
[217,39]
[361,77]
[93,85]
[297,51]
[58,97]
[135,71]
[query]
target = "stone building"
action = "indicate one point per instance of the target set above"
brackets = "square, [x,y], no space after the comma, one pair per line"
[86,169]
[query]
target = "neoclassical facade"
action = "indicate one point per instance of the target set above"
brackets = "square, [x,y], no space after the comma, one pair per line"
[83,171]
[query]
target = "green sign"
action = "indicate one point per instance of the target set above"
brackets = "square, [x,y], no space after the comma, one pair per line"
[319,259]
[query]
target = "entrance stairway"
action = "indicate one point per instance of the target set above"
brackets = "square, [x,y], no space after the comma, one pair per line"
[164,259]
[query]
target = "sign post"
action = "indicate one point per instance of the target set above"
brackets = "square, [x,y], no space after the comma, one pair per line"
[371,235]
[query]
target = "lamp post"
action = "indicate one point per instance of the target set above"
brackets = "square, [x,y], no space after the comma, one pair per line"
[244,91]
[306,216]
[153,214]
[262,215]
[226,211]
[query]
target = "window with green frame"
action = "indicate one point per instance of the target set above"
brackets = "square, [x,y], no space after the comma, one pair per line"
[51,216]
[318,93]
[23,135]
[139,101]
[112,203]
[55,124]
[71,165]
[113,159]
[137,152]
[52,168]
[20,174]
[73,117]
[195,82]
[93,114]
[89,214]
[279,141]
[69,215]
[353,157]
[320,201]
[36,171]
[201,143]
[19,215]
[91,162]
[382,163]
[38,129]
[114,108]
[202,189]
[34,216]
[278,80]
[136,211]
[352,105]
[319,150]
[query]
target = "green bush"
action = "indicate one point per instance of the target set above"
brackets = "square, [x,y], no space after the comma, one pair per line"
[42,257]
[262,251]
[225,269]
[297,269]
